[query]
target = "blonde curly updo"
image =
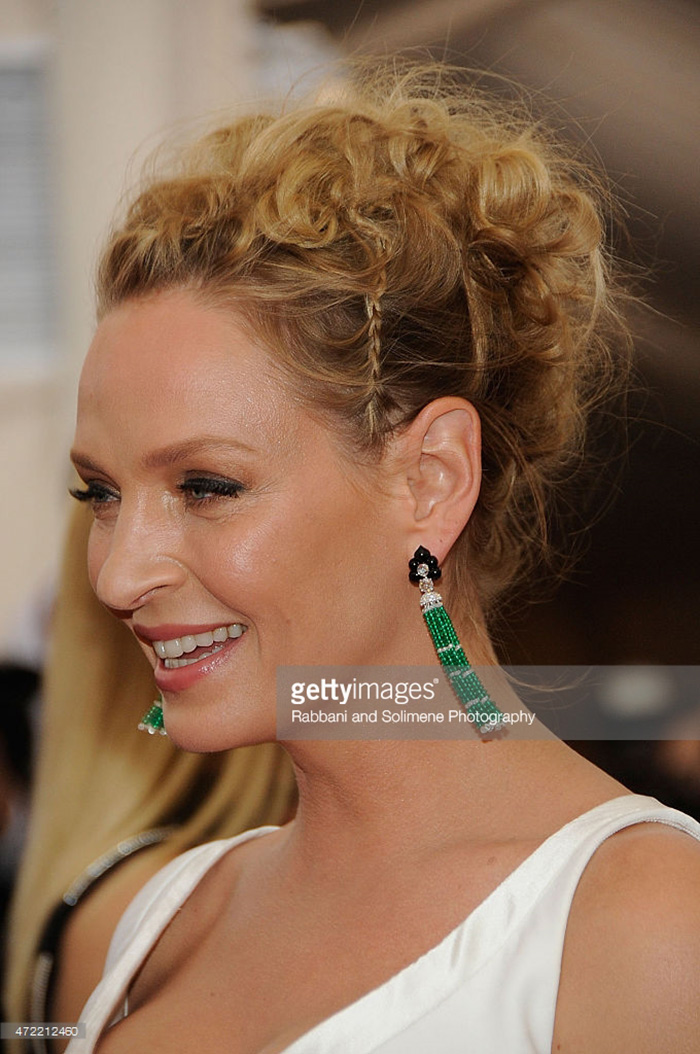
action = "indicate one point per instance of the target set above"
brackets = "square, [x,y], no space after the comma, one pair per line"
[409,239]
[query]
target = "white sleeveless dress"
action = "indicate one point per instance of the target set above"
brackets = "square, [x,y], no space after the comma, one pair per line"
[490,987]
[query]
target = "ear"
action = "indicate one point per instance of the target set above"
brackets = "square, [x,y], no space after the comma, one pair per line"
[440,455]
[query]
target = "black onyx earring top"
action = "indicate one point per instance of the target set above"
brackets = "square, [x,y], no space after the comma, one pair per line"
[484,713]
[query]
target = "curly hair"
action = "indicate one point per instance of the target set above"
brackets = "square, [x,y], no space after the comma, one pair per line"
[407,239]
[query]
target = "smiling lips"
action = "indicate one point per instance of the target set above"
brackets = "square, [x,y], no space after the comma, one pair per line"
[195,646]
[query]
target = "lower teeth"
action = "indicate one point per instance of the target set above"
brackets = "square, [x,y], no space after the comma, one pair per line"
[173,664]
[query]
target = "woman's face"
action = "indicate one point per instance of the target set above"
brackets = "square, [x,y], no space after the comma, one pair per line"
[228,520]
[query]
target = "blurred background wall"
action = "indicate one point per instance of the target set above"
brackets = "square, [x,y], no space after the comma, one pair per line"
[88,86]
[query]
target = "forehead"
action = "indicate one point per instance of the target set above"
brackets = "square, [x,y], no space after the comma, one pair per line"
[171,359]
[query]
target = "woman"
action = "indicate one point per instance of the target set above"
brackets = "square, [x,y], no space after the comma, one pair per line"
[131,801]
[330,338]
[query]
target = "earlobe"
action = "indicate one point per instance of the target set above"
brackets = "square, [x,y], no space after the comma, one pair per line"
[443,458]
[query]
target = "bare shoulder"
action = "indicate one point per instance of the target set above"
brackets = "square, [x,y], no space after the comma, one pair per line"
[88,932]
[631,962]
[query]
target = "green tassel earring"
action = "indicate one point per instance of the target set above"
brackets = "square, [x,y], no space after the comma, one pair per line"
[484,713]
[152,722]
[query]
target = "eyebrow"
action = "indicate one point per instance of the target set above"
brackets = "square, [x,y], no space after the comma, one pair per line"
[174,454]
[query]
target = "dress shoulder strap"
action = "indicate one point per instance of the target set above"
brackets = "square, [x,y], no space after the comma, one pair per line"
[140,927]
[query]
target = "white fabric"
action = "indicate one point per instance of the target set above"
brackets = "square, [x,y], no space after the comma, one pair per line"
[489,987]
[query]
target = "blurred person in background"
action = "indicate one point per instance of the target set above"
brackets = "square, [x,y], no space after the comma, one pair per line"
[18,688]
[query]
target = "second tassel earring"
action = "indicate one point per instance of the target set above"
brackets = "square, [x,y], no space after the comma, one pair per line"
[153,720]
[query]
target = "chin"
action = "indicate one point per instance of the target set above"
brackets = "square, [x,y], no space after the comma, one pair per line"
[202,733]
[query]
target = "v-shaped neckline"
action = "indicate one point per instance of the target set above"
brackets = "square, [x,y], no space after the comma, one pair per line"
[393,1005]
[458,955]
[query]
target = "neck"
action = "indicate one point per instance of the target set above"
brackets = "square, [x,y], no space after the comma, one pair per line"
[367,805]
[401,795]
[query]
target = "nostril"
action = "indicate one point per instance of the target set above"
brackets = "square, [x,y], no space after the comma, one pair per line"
[119,597]
[121,613]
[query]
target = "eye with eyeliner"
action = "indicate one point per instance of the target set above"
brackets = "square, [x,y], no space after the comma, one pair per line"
[203,490]
[95,493]
[197,491]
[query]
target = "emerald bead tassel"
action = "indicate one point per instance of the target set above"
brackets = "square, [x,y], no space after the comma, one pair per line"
[461,675]
[463,679]
[152,722]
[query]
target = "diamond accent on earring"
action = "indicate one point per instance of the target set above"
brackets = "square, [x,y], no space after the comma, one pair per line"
[422,569]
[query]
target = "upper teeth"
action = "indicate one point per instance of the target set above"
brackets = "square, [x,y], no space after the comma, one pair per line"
[173,649]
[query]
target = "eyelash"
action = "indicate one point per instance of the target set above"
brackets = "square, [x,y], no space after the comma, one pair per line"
[215,487]
[95,493]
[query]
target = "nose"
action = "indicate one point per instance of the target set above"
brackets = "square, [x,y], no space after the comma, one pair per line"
[133,559]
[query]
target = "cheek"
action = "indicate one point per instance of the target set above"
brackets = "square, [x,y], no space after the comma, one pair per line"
[250,570]
[97,550]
